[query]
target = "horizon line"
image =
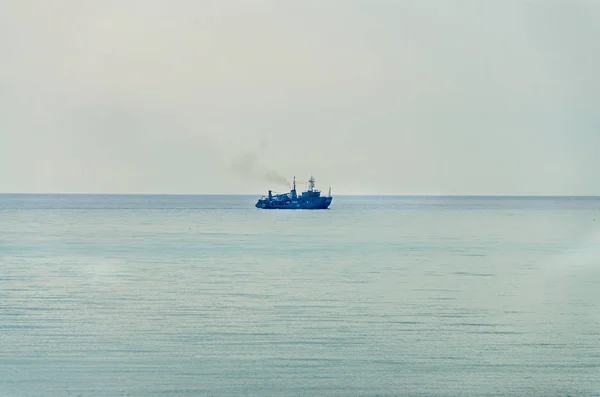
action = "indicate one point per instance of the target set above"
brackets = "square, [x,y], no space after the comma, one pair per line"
[506,195]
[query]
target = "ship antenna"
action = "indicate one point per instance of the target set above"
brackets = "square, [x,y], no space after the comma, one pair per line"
[294,182]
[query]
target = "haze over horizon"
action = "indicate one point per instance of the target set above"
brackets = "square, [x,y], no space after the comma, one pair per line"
[457,98]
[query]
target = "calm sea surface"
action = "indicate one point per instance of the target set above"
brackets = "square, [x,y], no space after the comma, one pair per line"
[377,296]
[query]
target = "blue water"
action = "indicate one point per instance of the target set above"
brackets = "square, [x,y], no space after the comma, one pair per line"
[377,296]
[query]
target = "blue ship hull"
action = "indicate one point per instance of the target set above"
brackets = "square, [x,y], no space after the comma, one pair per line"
[295,205]
[308,200]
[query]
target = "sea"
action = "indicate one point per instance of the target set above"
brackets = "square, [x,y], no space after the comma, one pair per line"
[158,295]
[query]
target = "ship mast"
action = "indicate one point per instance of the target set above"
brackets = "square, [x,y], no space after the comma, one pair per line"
[293,192]
[311,183]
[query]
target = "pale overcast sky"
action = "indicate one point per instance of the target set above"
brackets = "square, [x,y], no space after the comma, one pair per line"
[371,96]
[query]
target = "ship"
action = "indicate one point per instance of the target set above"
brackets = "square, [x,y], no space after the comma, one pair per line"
[310,199]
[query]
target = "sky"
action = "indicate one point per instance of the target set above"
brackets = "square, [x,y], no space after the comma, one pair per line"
[452,97]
